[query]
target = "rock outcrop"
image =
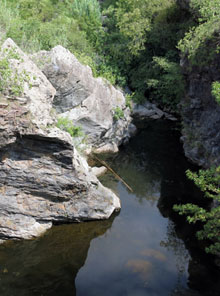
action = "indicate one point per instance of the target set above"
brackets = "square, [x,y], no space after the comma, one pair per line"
[201,114]
[150,111]
[199,109]
[92,103]
[43,179]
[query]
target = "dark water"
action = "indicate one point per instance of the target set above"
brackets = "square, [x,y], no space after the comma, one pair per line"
[139,251]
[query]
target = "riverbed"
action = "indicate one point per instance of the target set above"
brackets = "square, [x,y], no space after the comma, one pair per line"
[145,249]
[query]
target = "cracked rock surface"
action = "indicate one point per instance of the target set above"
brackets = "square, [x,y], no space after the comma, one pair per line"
[43,179]
[87,101]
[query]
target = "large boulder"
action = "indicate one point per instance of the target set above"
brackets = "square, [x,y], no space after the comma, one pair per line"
[92,103]
[43,179]
[150,111]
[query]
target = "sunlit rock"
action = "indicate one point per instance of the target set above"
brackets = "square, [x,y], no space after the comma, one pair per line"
[43,179]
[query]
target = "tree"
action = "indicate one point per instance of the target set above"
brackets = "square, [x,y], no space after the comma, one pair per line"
[209,183]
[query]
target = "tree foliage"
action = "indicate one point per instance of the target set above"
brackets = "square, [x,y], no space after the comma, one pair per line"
[202,41]
[216,91]
[145,54]
[129,42]
[209,183]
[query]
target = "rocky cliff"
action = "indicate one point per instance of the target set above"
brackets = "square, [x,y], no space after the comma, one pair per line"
[199,109]
[43,179]
[91,103]
[201,114]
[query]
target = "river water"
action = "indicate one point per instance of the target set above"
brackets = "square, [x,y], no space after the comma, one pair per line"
[146,249]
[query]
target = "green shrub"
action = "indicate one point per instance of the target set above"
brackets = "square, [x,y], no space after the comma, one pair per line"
[200,44]
[163,82]
[43,24]
[88,14]
[205,9]
[216,91]
[134,43]
[129,98]
[66,125]
[98,66]
[209,183]
[118,113]
[11,81]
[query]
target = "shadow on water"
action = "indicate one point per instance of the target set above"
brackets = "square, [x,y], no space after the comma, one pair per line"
[155,159]
[145,250]
[48,265]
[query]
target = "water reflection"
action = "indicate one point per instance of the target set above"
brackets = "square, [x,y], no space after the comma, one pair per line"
[47,266]
[138,252]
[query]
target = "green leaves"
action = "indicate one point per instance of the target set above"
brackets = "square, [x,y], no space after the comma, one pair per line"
[118,113]
[11,80]
[209,182]
[133,23]
[200,44]
[88,15]
[163,80]
[216,91]
[66,125]
[205,8]
[193,212]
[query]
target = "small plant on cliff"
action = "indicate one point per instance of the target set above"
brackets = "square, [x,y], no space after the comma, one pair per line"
[11,81]
[216,91]
[209,183]
[118,113]
[129,98]
[67,125]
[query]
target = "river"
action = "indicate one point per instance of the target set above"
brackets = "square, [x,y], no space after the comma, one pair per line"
[146,249]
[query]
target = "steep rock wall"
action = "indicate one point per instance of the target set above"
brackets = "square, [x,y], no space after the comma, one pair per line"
[201,114]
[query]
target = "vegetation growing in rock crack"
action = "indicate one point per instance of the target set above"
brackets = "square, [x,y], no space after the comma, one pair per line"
[66,125]
[118,113]
[12,81]
[216,91]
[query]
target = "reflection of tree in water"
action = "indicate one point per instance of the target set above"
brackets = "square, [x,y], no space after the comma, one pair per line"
[177,247]
[153,156]
[150,186]
[136,172]
[181,256]
[48,265]
[153,164]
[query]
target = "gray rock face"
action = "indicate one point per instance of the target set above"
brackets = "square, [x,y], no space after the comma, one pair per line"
[98,171]
[87,101]
[150,111]
[201,115]
[43,179]
[38,92]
